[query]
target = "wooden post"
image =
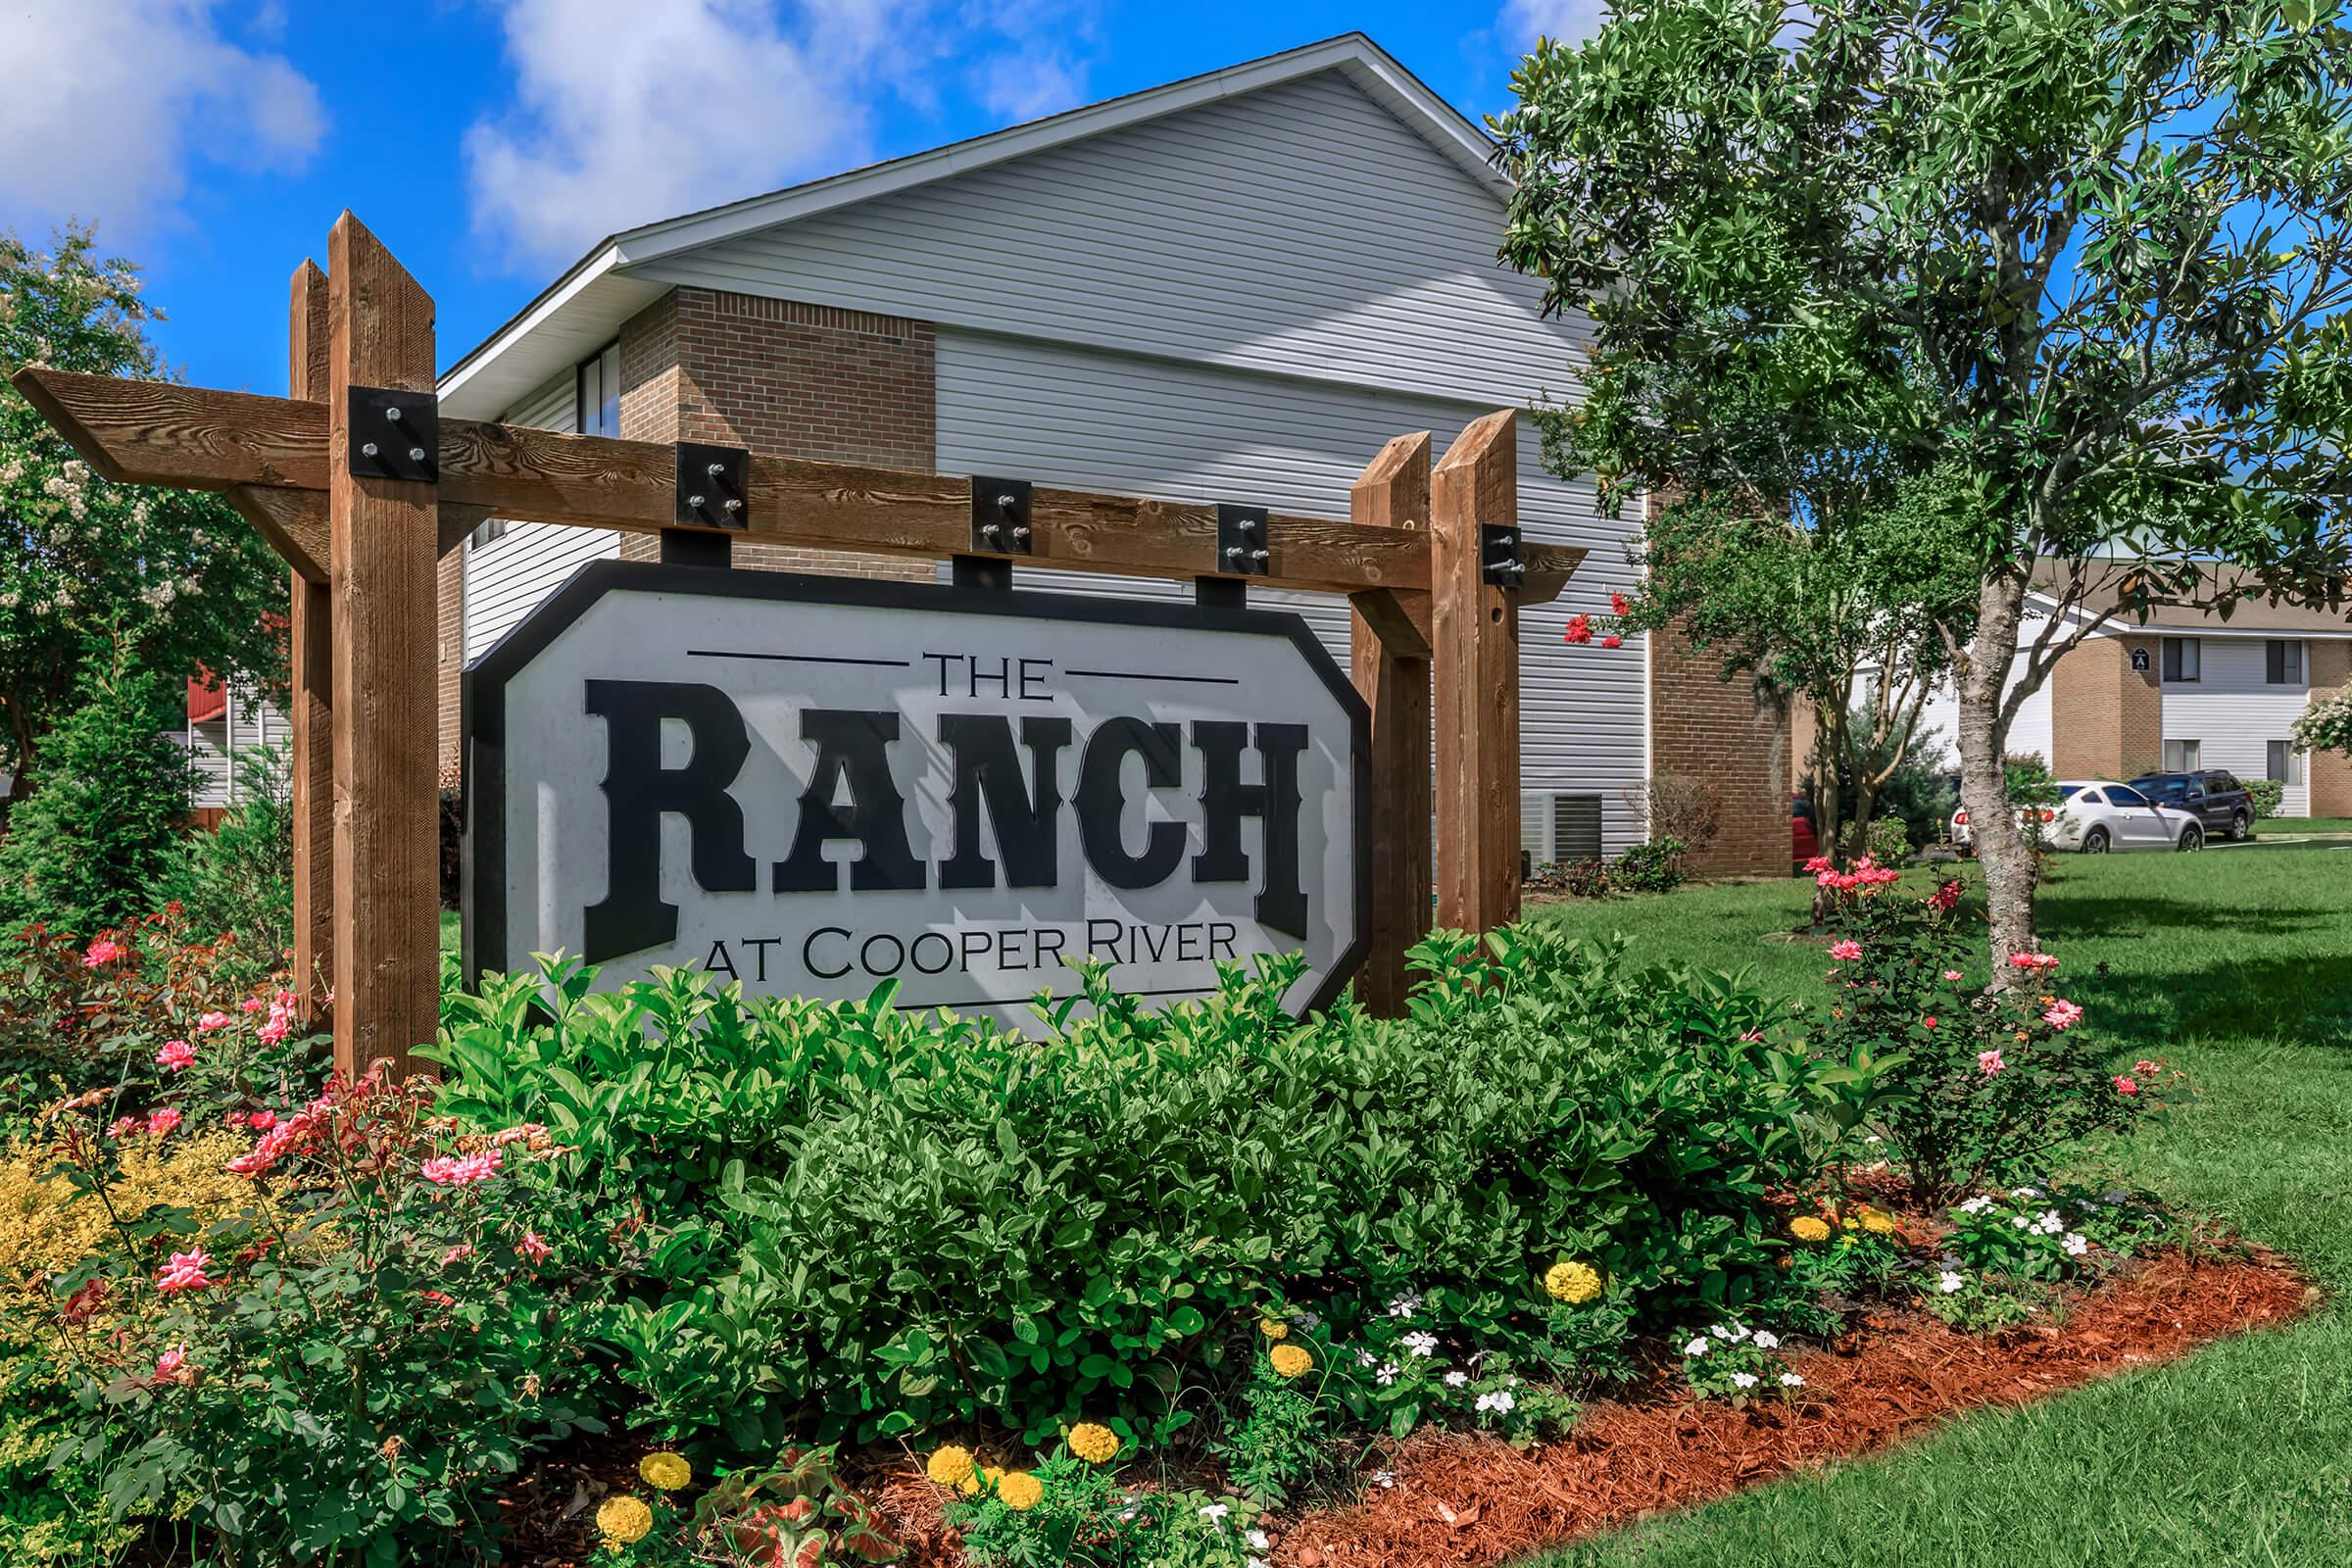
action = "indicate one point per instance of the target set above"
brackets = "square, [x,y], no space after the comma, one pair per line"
[384,548]
[1388,638]
[310,659]
[1474,665]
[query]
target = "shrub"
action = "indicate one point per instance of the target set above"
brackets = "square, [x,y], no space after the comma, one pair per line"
[239,878]
[1676,805]
[1988,1085]
[1889,841]
[1652,868]
[100,830]
[875,1222]
[2268,795]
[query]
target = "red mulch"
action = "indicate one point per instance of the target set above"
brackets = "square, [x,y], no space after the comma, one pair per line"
[1473,1499]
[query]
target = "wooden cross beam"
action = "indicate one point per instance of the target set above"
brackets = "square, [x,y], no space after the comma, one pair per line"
[1429,611]
[270,454]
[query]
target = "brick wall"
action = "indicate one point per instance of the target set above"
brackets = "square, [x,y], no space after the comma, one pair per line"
[2329,773]
[788,379]
[2107,719]
[1730,734]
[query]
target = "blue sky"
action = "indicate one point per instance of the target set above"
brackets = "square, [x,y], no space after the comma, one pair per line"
[490,142]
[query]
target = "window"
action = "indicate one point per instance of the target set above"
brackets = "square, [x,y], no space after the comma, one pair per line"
[2181,757]
[2170,789]
[2124,795]
[2282,662]
[2084,797]
[595,411]
[2182,661]
[2286,764]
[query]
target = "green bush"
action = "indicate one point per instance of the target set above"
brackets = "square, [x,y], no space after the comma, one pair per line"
[2268,795]
[1889,841]
[871,1222]
[1654,867]
[240,877]
[109,799]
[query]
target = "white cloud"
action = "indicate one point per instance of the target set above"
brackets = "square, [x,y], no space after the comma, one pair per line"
[625,112]
[1562,20]
[107,102]
[1028,85]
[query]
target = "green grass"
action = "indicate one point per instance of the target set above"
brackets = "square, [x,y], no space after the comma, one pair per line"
[2303,824]
[449,930]
[2237,967]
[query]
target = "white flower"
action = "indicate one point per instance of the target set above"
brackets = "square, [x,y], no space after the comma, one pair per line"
[1405,1305]
[1789,1380]
[1977,1204]
[1216,1511]
[1766,1340]
[2024,1192]
[2076,1244]
[1698,1347]
[1950,1282]
[1384,1478]
[1258,1539]
[1365,1359]
[1305,1319]
[2020,1221]
[1421,1344]
[1743,1380]
[1254,1562]
[1387,1374]
[1498,1401]
[1456,1379]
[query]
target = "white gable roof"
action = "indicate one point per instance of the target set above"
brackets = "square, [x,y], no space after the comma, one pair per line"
[584,309]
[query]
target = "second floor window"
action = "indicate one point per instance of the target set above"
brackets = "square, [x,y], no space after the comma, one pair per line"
[2282,662]
[599,389]
[2183,660]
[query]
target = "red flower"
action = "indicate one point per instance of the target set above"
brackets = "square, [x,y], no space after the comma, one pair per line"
[2125,1086]
[1580,630]
[1612,640]
[1619,604]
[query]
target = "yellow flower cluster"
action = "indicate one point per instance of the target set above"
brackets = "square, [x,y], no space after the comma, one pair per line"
[1809,1228]
[1094,1443]
[1572,1282]
[623,1521]
[950,1466]
[1020,1490]
[1290,1360]
[1877,1221]
[1273,1328]
[668,1471]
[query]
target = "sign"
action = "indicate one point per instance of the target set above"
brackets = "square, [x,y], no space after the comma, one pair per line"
[816,784]
[2139,661]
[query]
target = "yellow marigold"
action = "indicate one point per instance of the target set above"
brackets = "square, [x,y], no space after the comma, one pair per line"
[1021,1491]
[667,1470]
[1290,1360]
[1809,1228]
[1572,1282]
[950,1466]
[1273,1328]
[987,1475]
[622,1521]
[1878,1221]
[1094,1443]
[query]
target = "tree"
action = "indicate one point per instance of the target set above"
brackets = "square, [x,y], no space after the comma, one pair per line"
[97,577]
[2108,237]
[2326,723]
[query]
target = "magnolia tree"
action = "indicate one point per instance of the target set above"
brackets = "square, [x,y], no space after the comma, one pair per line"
[101,576]
[2105,240]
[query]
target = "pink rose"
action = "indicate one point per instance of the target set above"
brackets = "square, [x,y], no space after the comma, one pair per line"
[185,1272]
[444,1171]
[251,1004]
[103,950]
[1846,951]
[1989,1063]
[2144,1068]
[176,1055]
[213,1020]
[533,1246]
[2062,1014]
[2125,1086]
[173,1367]
[160,1122]
[1951,974]
[455,1253]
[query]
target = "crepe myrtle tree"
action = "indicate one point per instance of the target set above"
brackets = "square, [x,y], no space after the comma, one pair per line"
[96,575]
[2108,237]
[2326,724]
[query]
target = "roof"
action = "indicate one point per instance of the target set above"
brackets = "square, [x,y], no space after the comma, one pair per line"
[2252,617]
[584,307]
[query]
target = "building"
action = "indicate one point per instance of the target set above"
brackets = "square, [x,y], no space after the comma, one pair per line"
[1234,287]
[2188,689]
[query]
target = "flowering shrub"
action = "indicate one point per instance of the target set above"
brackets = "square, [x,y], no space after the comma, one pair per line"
[2038,1233]
[1732,1361]
[351,1357]
[1069,1510]
[875,1222]
[1991,1086]
[1839,1261]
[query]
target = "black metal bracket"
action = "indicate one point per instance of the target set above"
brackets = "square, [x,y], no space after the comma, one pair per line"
[715,486]
[1501,554]
[1220,593]
[393,435]
[991,574]
[1000,516]
[1242,548]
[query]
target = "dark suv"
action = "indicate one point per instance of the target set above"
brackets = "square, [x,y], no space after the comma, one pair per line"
[2220,801]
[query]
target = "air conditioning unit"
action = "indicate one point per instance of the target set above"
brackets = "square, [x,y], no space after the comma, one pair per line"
[1559,829]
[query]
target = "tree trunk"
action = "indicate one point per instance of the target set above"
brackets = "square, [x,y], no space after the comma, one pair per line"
[1829,827]
[2001,846]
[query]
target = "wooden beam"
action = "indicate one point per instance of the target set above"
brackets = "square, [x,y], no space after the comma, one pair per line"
[387,902]
[1389,649]
[311,670]
[1474,662]
[152,432]
[293,521]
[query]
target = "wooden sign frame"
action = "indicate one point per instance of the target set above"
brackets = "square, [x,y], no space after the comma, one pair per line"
[1433,622]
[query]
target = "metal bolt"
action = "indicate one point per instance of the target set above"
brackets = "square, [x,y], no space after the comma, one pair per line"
[415,454]
[1232,552]
[695,502]
[1506,540]
[1021,531]
[367,449]
[716,471]
[990,530]
[1006,503]
[1260,554]
[1247,524]
[731,504]
[393,414]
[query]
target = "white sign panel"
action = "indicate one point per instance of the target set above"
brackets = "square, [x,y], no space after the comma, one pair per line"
[814,784]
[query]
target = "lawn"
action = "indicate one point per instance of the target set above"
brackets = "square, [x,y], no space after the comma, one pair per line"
[2237,967]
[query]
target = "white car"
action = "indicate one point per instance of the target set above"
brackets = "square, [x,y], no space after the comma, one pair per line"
[2096,815]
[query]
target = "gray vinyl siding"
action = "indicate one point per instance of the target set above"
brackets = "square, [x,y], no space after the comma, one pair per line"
[507,576]
[248,722]
[1303,231]
[1062,416]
